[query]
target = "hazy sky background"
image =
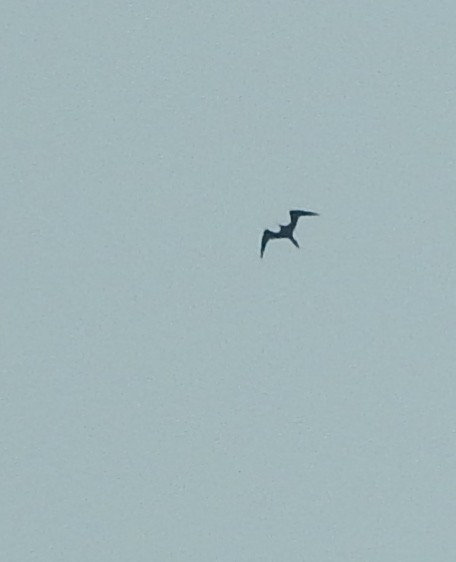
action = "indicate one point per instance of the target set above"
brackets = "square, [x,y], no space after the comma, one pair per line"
[165,394]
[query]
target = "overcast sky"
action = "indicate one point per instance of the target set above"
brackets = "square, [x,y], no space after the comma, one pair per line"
[165,394]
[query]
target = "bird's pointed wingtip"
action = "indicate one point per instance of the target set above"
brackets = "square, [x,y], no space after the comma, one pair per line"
[304,213]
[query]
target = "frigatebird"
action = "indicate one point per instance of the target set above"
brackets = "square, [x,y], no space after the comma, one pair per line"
[286,231]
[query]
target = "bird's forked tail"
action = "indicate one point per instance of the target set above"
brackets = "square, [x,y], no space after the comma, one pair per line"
[295,242]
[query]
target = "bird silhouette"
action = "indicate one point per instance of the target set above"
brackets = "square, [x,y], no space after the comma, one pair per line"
[286,231]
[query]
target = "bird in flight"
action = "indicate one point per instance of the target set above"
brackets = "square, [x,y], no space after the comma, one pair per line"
[286,231]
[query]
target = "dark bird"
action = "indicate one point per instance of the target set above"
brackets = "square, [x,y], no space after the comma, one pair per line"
[286,231]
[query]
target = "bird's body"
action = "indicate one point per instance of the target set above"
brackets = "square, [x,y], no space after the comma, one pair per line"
[286,231]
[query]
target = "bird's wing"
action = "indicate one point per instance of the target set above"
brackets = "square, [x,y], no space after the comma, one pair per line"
[294,216]
[267,235]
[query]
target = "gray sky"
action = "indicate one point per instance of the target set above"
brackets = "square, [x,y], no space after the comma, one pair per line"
[165,394]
